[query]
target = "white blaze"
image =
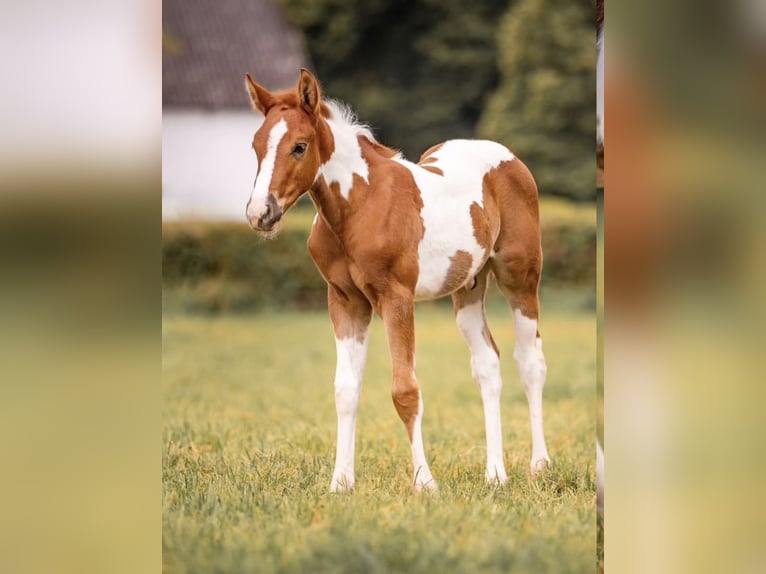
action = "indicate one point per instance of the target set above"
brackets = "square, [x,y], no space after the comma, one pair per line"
[257,204]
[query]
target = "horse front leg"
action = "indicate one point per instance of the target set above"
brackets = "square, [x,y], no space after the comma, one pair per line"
[398,313]
[350,318]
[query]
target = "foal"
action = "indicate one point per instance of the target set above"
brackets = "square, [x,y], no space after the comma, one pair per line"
[390,232]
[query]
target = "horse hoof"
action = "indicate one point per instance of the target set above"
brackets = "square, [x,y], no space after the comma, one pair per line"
[496,478]
[539,465]
[342,484]
[425,486]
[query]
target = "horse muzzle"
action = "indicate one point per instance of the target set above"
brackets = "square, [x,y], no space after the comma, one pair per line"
[268,216]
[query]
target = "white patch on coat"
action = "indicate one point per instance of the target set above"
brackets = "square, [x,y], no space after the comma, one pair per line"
[485,368]
[346,159]
[528,354]
[257,204]
[351,357]
[446,209]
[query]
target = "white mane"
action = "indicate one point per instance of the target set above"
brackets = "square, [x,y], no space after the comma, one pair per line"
[346,159]
[344,118]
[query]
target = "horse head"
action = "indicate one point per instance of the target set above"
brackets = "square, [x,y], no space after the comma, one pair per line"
[290,147]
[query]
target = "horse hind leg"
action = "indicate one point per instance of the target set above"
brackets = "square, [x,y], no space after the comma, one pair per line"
[485,368]
[518,274]
[528,354]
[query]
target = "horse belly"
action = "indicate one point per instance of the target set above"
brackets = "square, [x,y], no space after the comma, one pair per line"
[449,255]
[446,263]
[451,186]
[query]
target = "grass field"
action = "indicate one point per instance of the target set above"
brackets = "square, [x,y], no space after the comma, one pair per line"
[248,447]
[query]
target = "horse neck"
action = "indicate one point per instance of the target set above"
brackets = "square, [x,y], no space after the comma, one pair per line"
[343,180]
[330,206]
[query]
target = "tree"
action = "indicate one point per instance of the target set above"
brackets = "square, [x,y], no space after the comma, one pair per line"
[417,71]
[544,106]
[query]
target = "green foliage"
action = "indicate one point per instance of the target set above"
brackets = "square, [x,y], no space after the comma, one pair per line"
[422,71]
[544,106]
[212,267]
[248,446]
[569,254]
[220,267]
[417,71]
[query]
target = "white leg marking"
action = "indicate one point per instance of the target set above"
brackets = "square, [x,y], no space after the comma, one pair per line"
[351,357]
[257,204]
[532,370]
[423,479]
[485,368]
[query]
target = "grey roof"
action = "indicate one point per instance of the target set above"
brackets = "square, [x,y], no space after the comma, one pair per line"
[209,45]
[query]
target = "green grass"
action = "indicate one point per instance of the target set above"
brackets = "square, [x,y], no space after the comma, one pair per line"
[248,447]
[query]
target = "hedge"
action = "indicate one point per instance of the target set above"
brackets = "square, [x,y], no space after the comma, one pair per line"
[225,266]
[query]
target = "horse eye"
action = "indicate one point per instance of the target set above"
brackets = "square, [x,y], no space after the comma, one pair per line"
[299,149]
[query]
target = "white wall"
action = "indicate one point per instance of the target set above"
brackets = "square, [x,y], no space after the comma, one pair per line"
[208,166]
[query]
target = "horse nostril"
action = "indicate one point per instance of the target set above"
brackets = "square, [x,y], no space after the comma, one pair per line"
[272,214]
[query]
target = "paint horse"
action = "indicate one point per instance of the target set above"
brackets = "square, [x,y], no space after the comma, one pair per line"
[389,232]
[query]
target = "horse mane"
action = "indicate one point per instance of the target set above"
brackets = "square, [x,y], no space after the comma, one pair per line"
[344,117]
[342,114]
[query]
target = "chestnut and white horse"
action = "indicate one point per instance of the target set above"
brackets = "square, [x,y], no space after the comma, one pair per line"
[390,232]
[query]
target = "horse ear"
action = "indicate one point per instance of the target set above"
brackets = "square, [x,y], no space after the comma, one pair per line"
[308,92]
[260,97]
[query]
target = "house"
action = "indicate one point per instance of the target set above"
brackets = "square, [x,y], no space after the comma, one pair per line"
[208,166]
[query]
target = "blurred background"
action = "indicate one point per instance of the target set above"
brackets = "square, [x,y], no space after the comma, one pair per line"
[519,72]
[82,249]
[683,286]
[248,414]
